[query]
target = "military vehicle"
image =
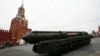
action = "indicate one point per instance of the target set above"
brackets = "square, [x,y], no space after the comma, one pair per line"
[57,42]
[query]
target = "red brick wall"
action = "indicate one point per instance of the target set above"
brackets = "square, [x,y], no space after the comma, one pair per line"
[21,32]
[5,35]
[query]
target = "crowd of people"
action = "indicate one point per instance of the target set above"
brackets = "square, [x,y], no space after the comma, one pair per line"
[5,44]
[10,44]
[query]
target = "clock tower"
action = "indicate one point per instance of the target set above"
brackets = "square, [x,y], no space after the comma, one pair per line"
[19,25]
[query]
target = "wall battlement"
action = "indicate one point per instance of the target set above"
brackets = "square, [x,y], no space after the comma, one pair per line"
[4,31]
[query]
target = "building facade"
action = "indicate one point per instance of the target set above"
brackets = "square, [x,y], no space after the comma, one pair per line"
[98,32]
[18,28]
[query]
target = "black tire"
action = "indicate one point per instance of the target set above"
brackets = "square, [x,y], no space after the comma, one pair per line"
[60,51]
[35,48]
[66,48]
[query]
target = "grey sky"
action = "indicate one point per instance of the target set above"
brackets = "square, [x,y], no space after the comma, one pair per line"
[64,15]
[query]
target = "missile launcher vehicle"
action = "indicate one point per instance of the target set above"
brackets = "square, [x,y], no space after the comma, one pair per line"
[57,42]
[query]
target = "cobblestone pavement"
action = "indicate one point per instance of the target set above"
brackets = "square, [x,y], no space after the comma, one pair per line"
[26,50]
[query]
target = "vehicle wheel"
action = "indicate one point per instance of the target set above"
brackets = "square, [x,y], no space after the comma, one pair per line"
[35,48]
[66,48]
[60,51]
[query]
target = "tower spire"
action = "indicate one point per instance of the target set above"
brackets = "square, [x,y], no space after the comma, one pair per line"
[22,3]
[21,11]
[98,28]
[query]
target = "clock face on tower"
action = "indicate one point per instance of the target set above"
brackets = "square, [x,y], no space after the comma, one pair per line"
[21,13]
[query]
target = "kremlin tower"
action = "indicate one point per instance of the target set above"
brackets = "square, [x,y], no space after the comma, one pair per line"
[18,27]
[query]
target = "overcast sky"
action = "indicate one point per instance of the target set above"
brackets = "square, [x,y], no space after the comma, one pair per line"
[55,15]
